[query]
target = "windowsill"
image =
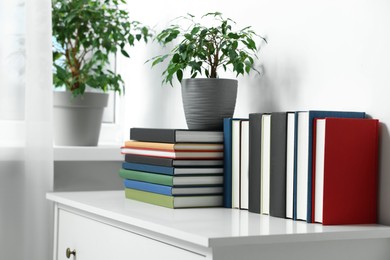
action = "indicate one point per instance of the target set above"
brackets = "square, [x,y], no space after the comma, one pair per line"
[12,145]
[11,152]
[103,152]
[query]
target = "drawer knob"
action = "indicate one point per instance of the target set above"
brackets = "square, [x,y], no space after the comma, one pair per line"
[69,252]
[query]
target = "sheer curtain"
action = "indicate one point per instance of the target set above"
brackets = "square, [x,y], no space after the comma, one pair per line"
[26,153]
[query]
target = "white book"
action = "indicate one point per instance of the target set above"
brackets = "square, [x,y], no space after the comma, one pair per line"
[290,164]
[319,170]
[244,173]
[265,163]
[236,131]
[302,164]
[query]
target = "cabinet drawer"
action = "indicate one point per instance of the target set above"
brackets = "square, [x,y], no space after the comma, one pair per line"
[94,240]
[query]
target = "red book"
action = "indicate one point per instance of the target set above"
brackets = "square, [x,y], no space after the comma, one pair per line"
[345,171]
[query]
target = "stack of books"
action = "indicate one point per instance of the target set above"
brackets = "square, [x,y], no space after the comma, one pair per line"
[315,166]
[174,168]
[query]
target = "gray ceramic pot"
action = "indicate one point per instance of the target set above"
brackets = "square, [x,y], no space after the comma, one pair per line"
[77,121]
[208,101]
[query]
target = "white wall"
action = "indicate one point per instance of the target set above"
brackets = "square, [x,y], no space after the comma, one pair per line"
[320,55]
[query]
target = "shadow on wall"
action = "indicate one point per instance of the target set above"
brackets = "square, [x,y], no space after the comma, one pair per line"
[384,176]
[276,89]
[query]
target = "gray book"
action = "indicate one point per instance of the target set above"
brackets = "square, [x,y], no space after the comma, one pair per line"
[166,135]
[278,164]
[254,162]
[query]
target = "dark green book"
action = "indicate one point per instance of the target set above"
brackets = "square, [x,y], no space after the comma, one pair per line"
[175,201]
[169,180]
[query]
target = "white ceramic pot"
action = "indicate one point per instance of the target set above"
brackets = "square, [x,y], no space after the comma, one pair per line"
[77,121]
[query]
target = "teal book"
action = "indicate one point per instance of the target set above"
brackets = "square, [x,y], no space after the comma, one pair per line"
[172,180]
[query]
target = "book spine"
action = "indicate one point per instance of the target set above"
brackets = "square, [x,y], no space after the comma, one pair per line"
[153,135]
[148,168]
[254,162]
[278,165]
[159,161]
[227,139]
[150,187]
[149,197]
[146,177]
[295,177]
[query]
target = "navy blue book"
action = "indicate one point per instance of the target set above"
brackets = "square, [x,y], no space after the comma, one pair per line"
[172,191]
[168,162]
[227,158]
[304,158]
[171,170]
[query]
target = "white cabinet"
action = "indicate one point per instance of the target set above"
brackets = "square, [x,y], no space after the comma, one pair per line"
[105,225]
[93,240]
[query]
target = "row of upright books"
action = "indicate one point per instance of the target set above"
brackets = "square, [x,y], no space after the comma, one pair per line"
[174,168]
[315,166]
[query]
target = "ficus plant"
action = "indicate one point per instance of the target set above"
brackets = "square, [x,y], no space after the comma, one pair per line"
[206,49]
[86,35]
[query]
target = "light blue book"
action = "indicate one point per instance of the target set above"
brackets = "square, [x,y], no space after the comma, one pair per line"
[172,191]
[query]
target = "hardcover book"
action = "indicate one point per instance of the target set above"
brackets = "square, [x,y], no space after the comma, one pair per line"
[290,163]
[227,157]
[254,162]
[345,171]
[236,162]
[168,162]
[172,191]
[278,151]
[175,135]
[265,164]
[244,165]
[303,174]
[172,180]
[174,146]
[231,130]
[183,154]
[174,201]
[171,170]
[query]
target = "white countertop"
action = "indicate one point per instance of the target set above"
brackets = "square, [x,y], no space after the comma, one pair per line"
[210,227]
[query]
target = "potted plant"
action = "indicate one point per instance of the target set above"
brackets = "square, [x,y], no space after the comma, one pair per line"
[86,36]
[204,50]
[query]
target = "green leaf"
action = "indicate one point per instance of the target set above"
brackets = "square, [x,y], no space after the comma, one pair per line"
[251,44]
[195,30]
[176,58]
[247,68]
[179,75]
[159,59]
[131,39]
[125,53]
[233,36]
[234,45]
